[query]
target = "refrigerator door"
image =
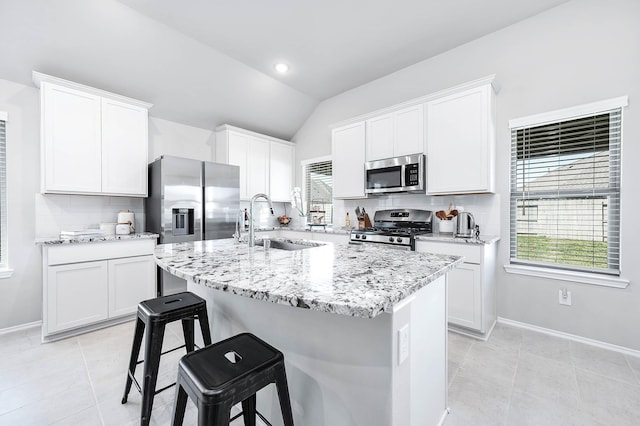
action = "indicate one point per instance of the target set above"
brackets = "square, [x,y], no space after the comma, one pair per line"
[181,200]
[221,199]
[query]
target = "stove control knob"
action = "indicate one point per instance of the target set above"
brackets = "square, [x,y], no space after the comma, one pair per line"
[364,237]
[358,236]
[399,239]
[390,239]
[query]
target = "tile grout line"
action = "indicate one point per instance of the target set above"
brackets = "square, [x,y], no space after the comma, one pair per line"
[513,384]
[93,389]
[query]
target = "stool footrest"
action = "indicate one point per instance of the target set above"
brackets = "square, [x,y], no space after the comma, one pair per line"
[257,413]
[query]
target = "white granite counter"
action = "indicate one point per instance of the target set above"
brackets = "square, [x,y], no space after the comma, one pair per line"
[354,280]
[320,229]
[95,238]
[449,238]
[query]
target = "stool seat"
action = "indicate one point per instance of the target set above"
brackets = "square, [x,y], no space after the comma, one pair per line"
[153,316]
[231,371]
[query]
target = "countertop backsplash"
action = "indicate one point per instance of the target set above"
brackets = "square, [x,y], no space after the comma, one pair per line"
[484,207]
[55,213]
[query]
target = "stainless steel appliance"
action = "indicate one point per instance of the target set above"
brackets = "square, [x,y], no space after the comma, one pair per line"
[399,174]
[395,228]
[190,200]
[466,226]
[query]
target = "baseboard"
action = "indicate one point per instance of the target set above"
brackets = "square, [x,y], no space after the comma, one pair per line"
[21,327]
[580,339]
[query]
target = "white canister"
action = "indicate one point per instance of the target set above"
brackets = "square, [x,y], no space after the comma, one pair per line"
[445,226]
[108,228]
[128,217]
[123,229]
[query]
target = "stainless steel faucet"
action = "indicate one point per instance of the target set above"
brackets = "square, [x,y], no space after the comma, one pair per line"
[252,241]
[239,225]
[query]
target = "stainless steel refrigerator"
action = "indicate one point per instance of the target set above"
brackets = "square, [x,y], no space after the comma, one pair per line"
[190,200]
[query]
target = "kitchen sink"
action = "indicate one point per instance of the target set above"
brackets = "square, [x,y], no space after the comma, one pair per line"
[289,245]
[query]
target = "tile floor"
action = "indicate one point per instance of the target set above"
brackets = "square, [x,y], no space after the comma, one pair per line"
[518,377]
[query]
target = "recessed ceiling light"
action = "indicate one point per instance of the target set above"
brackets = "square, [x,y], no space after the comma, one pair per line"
[281,67]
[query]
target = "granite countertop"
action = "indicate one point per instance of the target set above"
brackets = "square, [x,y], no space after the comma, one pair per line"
[94,238]
[355,280]
[448,238]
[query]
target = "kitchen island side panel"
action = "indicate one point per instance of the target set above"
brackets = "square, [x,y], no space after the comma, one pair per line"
[344,370]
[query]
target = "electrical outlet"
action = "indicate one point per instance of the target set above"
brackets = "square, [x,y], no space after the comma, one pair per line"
[564,297]
[403,344]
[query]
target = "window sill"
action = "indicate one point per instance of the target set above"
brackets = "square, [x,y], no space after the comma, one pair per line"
[579,277]
[6,272]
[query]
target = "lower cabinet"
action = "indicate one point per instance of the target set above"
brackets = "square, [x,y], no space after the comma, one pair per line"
[471,286]
[94,284]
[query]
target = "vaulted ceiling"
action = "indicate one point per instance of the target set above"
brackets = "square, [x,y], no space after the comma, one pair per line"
[209,62]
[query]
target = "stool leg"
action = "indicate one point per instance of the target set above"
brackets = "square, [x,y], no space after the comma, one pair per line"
[283,396]
[152,352]
[180,404]
[249,411]
[135,352]
[187,330]
[217,415]
[203,319]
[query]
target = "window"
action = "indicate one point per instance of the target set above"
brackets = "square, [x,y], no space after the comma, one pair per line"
[4,272]
[565,189]
[318,188]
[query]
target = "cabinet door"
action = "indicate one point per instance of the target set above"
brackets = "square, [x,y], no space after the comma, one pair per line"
[131,280]
[379,142]
[458,137]
[409,131]
[257,167]
[281,171]
[71,140]
[238,144]
[348,161]
[124,148]
[465,296]
[76,295]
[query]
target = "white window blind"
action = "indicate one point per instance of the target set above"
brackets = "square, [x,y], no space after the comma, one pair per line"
[565,193]
[318,182]
[3,190]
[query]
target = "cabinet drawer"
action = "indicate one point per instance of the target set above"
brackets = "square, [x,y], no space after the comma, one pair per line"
[471,253]
[87,252]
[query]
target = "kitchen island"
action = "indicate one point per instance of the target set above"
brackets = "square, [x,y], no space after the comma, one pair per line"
[362,327]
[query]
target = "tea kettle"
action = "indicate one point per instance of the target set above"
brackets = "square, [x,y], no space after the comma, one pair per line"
[466,226]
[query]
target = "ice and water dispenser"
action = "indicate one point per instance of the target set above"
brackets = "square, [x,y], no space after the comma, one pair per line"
[183,221]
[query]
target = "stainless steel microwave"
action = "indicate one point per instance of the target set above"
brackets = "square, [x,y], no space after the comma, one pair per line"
[398,174]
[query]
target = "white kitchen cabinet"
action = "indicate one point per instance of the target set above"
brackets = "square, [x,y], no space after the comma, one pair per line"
[93,285]
[348,152]
[395,134]
[461,142]
[266,163]
[124,148]
[131,280]
[471,286]
[77,295]
[93,142]
[71,140]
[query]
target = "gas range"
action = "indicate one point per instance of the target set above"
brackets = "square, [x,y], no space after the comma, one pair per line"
[396,228]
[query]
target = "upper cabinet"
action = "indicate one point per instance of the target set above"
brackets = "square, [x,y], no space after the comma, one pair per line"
[395,134]
[348,144]
[461,141]
[266,163]
[92,141]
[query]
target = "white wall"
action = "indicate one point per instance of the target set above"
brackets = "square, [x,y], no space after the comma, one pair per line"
[33,215]
[579,52]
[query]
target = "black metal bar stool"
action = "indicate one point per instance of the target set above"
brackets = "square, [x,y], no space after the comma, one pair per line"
[154,315]
[219,376]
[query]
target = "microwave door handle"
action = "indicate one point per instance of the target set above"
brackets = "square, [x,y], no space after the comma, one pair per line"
[403,174]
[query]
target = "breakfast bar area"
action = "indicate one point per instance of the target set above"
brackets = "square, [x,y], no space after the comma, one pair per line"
[362,328]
